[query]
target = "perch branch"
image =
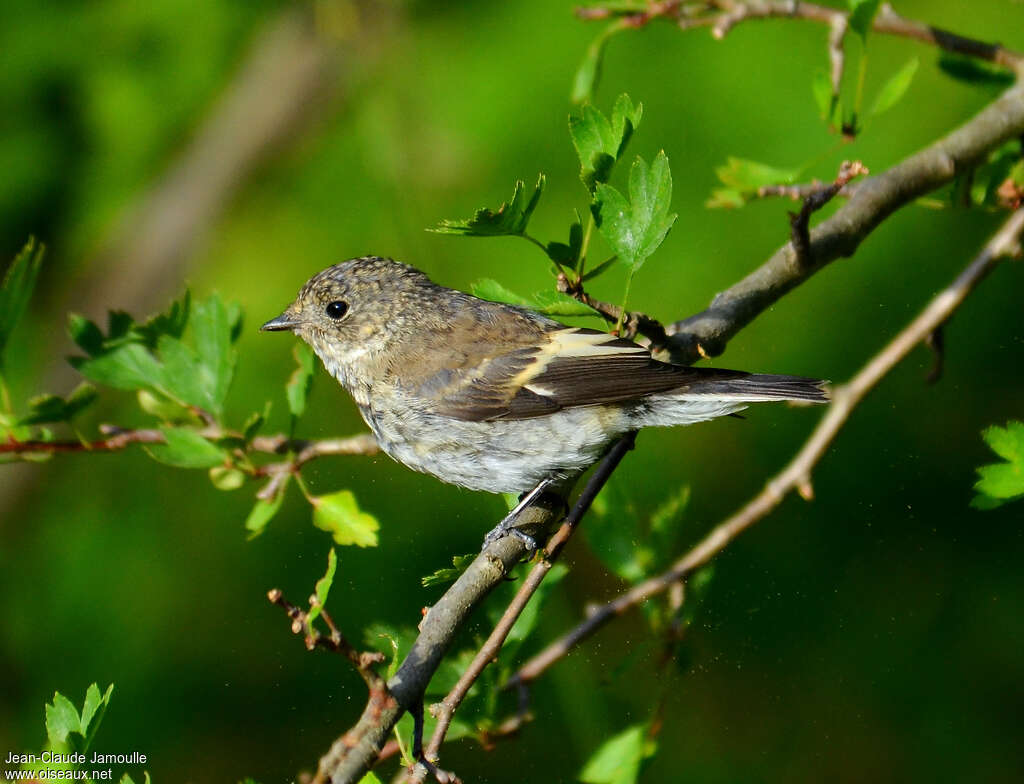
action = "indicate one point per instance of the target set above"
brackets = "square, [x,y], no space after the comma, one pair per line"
[354,752]
[445,710]
[796,475]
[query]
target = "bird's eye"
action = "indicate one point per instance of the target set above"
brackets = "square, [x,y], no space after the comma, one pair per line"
[336,309]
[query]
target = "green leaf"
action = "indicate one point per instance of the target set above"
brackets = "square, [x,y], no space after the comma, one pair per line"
[194,369]
[568,255]
[895,87]
[226,478]
[1002,482]
[746,175]
[725,198]
[129,366]
[263,512]
[163,409]
[862,16]
[93,710]
[636,228]
[449,574]
[186,448]
[550,303]
[973,71]
[53,408]
[599,142]
[370,778]
[588,75]
[827,103]
[323,587]
[510,219]
[61,720]
[618,759]
[17,287]
[340,515]
[301,379]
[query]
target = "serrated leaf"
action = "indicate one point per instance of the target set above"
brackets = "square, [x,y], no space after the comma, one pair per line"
[619,758]
[93,710]
[510,219]
[53,408]
[186,448]
[974,71]
[448,574]
[16,289]
[129,366]
[600,142]
[263,512]
[301,379]
[895,87]
[1002,482]
[323,587]
[339,514]
[86,335]
[636,228]
[61,720]
[194,369]
[862,16]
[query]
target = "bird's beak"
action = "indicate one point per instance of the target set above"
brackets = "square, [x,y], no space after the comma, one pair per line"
[283,322]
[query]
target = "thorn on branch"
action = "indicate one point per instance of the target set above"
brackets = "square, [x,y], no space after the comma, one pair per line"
[799,222]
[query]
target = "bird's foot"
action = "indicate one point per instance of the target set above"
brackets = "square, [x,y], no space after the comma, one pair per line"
[507,526]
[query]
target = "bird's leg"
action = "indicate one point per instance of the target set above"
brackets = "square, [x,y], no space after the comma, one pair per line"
[507,525]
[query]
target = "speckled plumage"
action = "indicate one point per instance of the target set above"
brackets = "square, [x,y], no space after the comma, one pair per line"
[491,396]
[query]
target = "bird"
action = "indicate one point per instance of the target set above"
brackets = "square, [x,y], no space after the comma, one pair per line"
[496,397]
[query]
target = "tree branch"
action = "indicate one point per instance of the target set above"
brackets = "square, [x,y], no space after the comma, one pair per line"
[354,752]
[117,439]
[488,652]
[707,333]
[796,475]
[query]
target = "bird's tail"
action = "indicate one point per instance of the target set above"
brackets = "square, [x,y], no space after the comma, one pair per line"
[718,393]
[755,387]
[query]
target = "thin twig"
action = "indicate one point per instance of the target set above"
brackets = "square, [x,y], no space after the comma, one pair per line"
[117,439]
[723,15]
[796,475]
[445,710]
[799,222]
[633,322]
[363,661]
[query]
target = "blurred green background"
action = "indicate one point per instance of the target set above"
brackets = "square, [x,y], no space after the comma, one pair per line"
[874,634]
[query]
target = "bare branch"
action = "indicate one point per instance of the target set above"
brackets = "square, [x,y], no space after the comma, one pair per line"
[723,15]
[364,662]
[118,439]
[796,475]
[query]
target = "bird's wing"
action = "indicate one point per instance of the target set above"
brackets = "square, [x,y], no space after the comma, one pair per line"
[559,369]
